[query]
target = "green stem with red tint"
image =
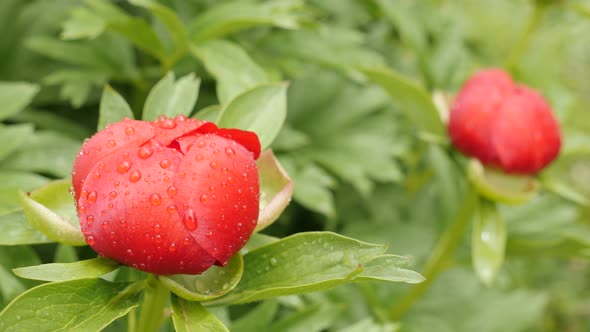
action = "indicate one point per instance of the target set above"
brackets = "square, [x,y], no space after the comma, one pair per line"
[155,299]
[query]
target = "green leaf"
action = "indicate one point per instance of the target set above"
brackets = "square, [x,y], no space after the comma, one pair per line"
[172,98]
[49,120]
[231,66]
[262,110]
[10,287]
[412,100]
[257,319]
[113,108]
[51,210]
[82,23]
[189,316]
[209,113]
[45,152]
[12,137]
[315,318]
[65,254]
[79,305]
[276,189]
[15,96]
[488,242]
[498,186]
[389,268]
[169,19]
[300,263]
[231,17]
[213,283]
[11,183]
[86,269]
[15,230]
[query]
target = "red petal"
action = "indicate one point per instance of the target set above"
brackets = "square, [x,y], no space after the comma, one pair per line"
[114,138]
[167,129]
[218,183]
[247,139]
[133,219]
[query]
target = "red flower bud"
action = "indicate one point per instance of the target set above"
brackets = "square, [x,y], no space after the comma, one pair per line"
[504,124]
[168,196]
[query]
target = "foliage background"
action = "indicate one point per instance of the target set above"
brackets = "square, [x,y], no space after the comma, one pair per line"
[359,166]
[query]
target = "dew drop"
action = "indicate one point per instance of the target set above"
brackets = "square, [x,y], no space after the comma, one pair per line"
[155,199]
[165,163]
[89,219]
[230,152]
[215,151]
[181,174]
[186,241]
[240,190]
[168,124]
[240,225]
[171,208]
[212,189]
[213,165]
[171,190]
[199,157]
[273,261]
[116,183]
[83,193]
[90,240]
[110,206]
[200,144]
[157,228]
[81,209]
[105,224]
[145,152]
[111,143]
[123,166]
[91,197]
[135,176]
[96,175]
[190,221]
[172,247]
[129,252]
[113,194]
[129,131]
[209,234]
[158,238]
[203,199]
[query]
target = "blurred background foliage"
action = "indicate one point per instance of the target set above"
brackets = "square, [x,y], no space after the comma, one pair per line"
[360,168]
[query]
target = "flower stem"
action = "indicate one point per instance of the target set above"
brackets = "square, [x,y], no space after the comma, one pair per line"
[439,258]
[155,298]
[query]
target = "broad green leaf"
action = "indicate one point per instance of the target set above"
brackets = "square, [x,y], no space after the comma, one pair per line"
[12,137]
[257,319]
[15,96]
[189,316]
[276,189]
[49,120]
[86,269]
[172,98]
[10,287]
[231,66]
[562,189]
[315,318]
[13,181]
[213,283]
[82,23]
[169,19]
[412,99]
[44,152]
[389,268]
[209,113]
[51,210]
[139,32]
[498,186]
[79,305]
[262,110]
[15,230]
[300,263]
[258,240]
[488,242]
[113,108]
[233,16]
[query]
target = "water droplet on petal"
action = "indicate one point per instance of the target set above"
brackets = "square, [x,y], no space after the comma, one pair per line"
[123,166]
[181,174]
[81,209]
[90,219]
[190,221]
[135,176]
[129,131]
[203,199]
[171,190]
[200,144]
[111,143]
[158,238]
[96,175]
[145,152]
[165,163]
[155,199]
[91,197]
[113,194]
[186,241]
[212,189]
[105,224]
[172,247]
[213,165]
[199,157]
[168,124]
[230,152]
[90,240]
[171,208]
[157,228]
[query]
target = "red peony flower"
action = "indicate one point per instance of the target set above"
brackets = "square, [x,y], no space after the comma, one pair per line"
[168,196]
[504,124]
